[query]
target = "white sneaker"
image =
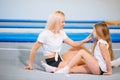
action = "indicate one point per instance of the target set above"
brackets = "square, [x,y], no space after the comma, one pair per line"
[48,68]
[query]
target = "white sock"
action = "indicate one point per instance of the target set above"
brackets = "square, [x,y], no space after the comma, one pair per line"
[115,63]
[63,70]
[48,68]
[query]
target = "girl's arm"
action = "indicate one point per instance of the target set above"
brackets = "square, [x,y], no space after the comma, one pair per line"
[77,44]
[32,55]
[106,57]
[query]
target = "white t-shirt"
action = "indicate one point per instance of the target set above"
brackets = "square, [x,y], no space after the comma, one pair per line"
[51,42]
[98,55]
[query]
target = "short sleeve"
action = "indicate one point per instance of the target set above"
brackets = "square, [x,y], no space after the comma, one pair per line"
[64,35]
[42,36]
[103,42]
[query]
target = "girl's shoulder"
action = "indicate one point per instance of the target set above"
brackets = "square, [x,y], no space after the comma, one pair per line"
[62,32]
[46,31]
[103,42]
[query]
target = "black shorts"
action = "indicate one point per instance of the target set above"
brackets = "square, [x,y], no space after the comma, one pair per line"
[52,62]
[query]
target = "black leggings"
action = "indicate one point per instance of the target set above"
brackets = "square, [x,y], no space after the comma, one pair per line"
[52,62]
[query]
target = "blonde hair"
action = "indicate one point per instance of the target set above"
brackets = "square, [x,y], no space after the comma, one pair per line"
[102,31]
[54,21]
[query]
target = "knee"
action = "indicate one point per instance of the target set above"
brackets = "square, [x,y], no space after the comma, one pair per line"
[82,51]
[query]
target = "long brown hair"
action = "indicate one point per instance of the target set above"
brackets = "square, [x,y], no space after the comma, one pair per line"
[102,31]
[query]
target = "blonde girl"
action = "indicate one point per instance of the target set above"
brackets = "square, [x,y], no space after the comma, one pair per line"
[51,40]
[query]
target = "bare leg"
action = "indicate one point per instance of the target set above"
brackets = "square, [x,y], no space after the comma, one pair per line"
[80,69]
[68,55]
[90,61]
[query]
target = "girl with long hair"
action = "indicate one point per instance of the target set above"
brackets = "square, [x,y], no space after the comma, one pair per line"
[98,63]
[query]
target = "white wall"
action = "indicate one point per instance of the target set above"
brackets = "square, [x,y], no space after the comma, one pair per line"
[74,9]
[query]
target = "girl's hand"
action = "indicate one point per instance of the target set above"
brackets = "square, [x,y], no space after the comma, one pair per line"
[89,38]
[28,67]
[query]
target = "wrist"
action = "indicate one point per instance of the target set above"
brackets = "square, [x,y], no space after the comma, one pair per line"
[30,65]
[84,41]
